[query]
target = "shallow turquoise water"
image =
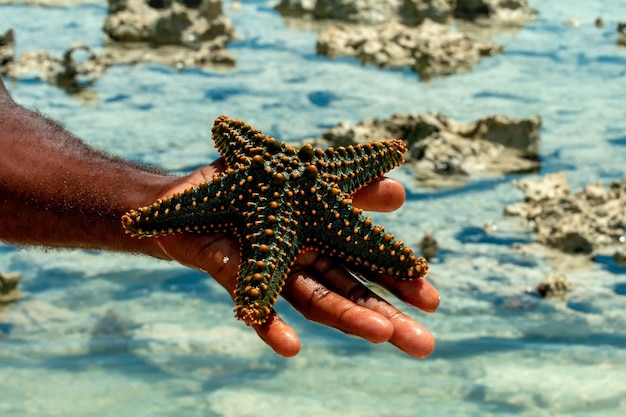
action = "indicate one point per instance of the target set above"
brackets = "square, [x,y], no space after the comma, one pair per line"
[106,334]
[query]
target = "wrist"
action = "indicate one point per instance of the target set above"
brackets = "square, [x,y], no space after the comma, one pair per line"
[58,192]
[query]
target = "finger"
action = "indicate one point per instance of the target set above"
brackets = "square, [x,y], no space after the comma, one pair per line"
[383,195]
[218,165]
[279,336]
[215,254]
[408,335]
[417,292]
[204,174]
[219,256]
[317,303]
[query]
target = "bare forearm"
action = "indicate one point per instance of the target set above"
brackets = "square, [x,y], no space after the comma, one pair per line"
[58,192]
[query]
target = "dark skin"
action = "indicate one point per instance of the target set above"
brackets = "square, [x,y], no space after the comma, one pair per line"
[57,192]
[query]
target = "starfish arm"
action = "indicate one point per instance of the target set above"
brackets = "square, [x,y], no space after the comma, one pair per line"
[353,167]
[344,232]
[206,208]
[238,142]
[268,250]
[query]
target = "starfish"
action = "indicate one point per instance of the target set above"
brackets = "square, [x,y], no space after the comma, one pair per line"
[280,201]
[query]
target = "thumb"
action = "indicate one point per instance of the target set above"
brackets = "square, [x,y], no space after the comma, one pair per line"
[215,254]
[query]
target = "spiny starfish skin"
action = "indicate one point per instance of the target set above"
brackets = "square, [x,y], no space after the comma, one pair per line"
[280,201]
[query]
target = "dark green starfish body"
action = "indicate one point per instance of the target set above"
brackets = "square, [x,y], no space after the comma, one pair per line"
[280,201]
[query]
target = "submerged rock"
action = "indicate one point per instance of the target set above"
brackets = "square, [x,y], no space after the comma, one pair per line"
[554,287]
[111,334]
[199,28]
[586,222]
[444,152]
[429,49]
[620,256]
[429,246]
[74,72]
[621,34]
[7,49]
[9,290]
[517,12]
[599,22]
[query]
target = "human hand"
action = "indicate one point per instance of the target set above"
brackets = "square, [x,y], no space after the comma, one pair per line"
[318,286]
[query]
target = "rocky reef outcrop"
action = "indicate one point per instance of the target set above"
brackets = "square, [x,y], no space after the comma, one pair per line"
[588,222]
[184,32]
[79,66]
[409,33]
[410,12]
[515,12]
[444,152]
[429,49]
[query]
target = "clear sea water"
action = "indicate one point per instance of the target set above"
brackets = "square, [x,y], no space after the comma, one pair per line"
[101,334]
